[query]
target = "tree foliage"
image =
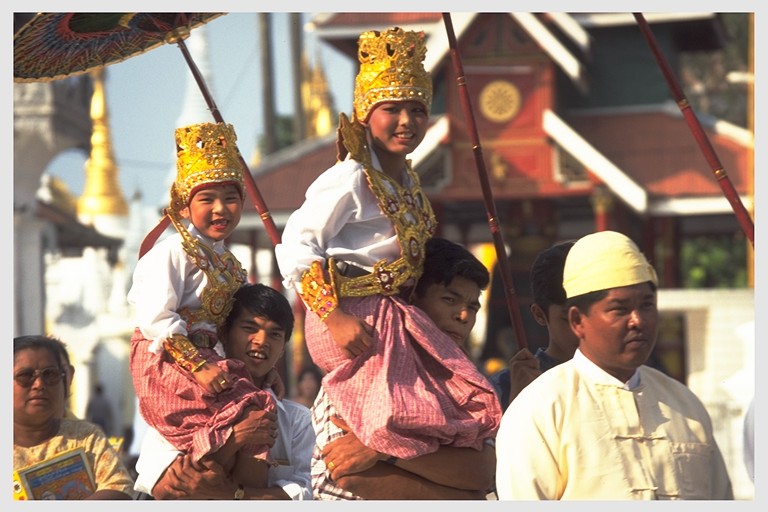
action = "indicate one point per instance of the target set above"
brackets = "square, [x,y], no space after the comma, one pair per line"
[714,262]
[705,75]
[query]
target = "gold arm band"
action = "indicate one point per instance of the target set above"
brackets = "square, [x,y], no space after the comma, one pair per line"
[184,352]
[318,294]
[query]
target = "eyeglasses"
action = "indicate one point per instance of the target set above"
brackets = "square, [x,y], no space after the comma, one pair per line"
[50,376]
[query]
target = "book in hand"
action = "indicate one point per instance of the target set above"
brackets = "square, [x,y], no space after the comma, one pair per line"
[67,476]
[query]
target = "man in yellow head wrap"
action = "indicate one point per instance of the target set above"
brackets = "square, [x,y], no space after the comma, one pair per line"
[603,426]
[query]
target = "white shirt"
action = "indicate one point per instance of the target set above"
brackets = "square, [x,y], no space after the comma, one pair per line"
[339,218]
[578,433]
[292,449]
[165,280]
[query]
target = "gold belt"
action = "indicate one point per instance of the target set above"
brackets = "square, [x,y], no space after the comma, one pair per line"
[383,280]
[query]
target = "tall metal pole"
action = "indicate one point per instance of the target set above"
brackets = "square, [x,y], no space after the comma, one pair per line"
[490,206]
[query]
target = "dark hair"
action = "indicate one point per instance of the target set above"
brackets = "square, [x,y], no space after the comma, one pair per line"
[261,300]
[446,260]
[547,276]
[53,345]
[62,351]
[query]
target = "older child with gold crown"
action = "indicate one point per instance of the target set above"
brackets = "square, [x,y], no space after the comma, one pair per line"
[182,291]
[354,251]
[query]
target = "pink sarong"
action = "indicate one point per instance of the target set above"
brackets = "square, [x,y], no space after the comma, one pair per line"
[190,418]
[413,391]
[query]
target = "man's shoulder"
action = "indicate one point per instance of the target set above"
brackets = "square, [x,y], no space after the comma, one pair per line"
[653,377]
[650,374]
[674,393]
[549,386]
[293,407]
[297,415]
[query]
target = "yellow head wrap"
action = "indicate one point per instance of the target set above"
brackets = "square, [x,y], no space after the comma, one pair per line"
[604,260]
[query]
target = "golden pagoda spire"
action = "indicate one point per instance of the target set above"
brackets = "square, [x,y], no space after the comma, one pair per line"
[306,87]
[101,194]
[318,102]
[256,157]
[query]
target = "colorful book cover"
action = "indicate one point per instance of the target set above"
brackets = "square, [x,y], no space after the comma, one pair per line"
[67,476]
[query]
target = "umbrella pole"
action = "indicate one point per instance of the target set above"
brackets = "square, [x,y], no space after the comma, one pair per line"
[250,184]
[490,207]
[729,191]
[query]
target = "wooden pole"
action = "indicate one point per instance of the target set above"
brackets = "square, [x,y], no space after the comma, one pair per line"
[490,206]
[742,215]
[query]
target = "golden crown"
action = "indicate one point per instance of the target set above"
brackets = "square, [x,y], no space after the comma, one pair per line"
[391,69]
[206,154]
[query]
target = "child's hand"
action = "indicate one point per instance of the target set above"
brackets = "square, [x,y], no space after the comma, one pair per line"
[523,369]
[351,334]
[212,378]
[256,426]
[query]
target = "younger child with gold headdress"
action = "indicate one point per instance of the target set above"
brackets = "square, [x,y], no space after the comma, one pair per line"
[183,290]
[354,251]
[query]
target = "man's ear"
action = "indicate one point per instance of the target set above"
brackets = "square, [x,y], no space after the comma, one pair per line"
[184,212]
[538,314]
[576,321]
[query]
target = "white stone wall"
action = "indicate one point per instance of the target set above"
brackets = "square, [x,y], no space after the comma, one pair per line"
[720,348]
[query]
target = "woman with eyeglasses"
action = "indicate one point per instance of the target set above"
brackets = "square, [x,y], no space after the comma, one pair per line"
[39,432]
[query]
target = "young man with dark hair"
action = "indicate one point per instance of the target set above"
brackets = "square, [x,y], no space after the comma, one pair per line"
[548,309]
[256,331]
[449,288]
[448,291]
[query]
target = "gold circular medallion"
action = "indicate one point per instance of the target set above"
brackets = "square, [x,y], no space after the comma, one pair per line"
[500,101]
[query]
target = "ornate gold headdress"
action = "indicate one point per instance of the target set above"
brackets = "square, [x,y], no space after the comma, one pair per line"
[391,69]
[206,154]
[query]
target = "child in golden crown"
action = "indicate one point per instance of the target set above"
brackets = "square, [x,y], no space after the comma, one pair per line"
[354,252]
[182,291]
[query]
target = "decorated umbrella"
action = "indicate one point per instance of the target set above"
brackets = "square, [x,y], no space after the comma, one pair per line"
[52,46]
[490,206]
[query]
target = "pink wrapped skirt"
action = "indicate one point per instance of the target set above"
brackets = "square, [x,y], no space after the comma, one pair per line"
[413,391]
[191,419]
